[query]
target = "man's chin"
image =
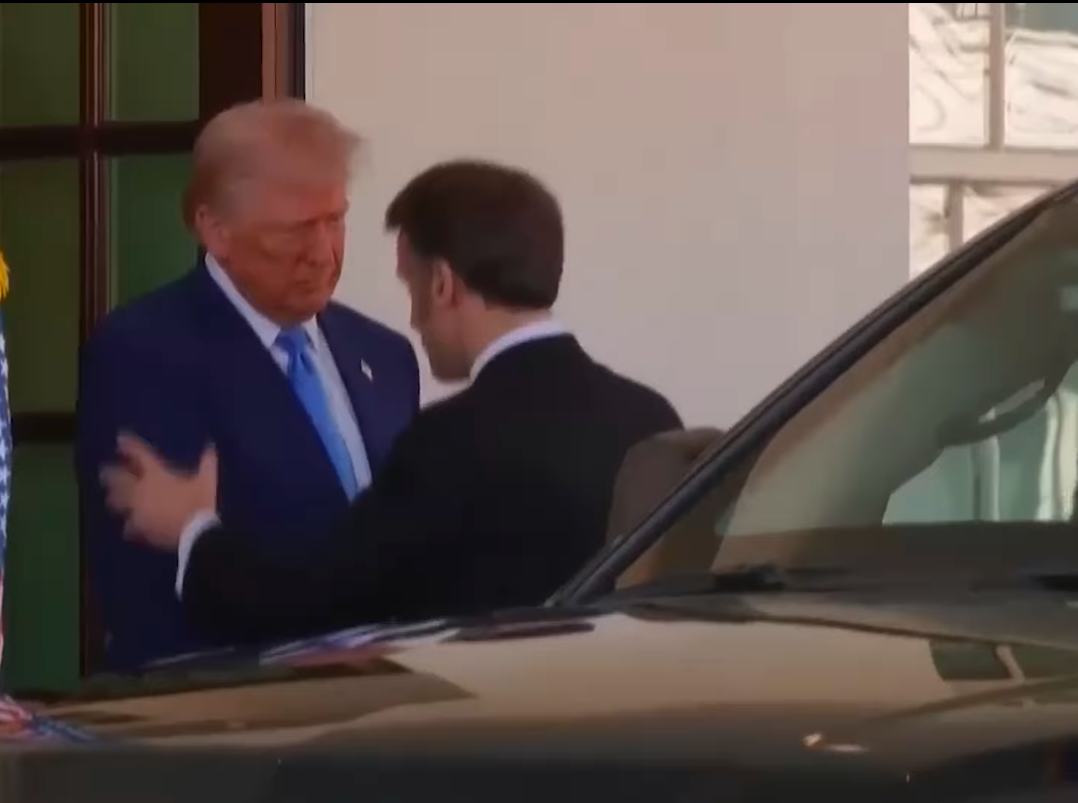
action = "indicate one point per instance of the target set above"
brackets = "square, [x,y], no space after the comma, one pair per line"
[306,312]
[450,374]
[450,377]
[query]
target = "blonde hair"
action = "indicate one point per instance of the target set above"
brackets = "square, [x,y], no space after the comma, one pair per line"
[285,139]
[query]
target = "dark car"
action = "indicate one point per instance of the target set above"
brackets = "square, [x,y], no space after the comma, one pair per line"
[866,591]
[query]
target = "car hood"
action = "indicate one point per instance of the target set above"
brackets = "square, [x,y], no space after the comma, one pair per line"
[893,687]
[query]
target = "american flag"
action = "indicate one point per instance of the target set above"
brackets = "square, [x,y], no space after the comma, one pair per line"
[5,452]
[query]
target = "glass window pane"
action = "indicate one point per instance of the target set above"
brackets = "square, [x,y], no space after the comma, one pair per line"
[149,244]
[39,234]
[41,597]
[39,64]
[948,55]
[153,61]
[1042,75]
[986,204]
[928,226]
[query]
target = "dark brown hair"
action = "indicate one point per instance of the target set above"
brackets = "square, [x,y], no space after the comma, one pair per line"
[497,227]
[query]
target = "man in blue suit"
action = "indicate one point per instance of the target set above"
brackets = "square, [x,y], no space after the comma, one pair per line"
[301,397]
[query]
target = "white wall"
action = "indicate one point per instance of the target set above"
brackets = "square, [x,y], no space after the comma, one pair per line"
[734,177]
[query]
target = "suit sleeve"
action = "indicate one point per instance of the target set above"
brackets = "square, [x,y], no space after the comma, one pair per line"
[369,570]
[123,387]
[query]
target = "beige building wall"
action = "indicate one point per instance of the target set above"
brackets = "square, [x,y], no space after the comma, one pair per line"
[734,176]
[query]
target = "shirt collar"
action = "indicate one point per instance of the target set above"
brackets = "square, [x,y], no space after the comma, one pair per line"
[522,334]
[263,327]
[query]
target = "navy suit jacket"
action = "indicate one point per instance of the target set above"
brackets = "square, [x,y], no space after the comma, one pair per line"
[183,369]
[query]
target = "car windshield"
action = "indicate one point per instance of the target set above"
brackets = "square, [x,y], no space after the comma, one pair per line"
[953,441]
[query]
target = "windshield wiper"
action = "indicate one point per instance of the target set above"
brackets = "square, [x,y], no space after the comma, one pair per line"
[1051,578]
[751,579]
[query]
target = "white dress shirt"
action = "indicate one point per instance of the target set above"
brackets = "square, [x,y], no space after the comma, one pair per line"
[523,334]
[332,383]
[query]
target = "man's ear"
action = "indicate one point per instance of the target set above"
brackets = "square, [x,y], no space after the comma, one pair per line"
[211,231]
[445,284]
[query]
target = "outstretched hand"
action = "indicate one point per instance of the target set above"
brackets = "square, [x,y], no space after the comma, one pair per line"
[156,500]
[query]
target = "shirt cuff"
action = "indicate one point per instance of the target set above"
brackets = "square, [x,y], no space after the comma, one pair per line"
[199,523]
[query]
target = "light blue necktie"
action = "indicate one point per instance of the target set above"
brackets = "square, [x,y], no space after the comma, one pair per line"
[308,387]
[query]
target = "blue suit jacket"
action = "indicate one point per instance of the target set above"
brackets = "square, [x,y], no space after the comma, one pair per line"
[182,369]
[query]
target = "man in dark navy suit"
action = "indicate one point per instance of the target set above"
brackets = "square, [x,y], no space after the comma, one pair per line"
[301,397]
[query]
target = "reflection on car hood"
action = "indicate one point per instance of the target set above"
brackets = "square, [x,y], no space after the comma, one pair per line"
[887,685]
[784,651]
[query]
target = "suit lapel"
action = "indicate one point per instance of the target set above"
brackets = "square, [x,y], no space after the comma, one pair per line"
[361,381]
